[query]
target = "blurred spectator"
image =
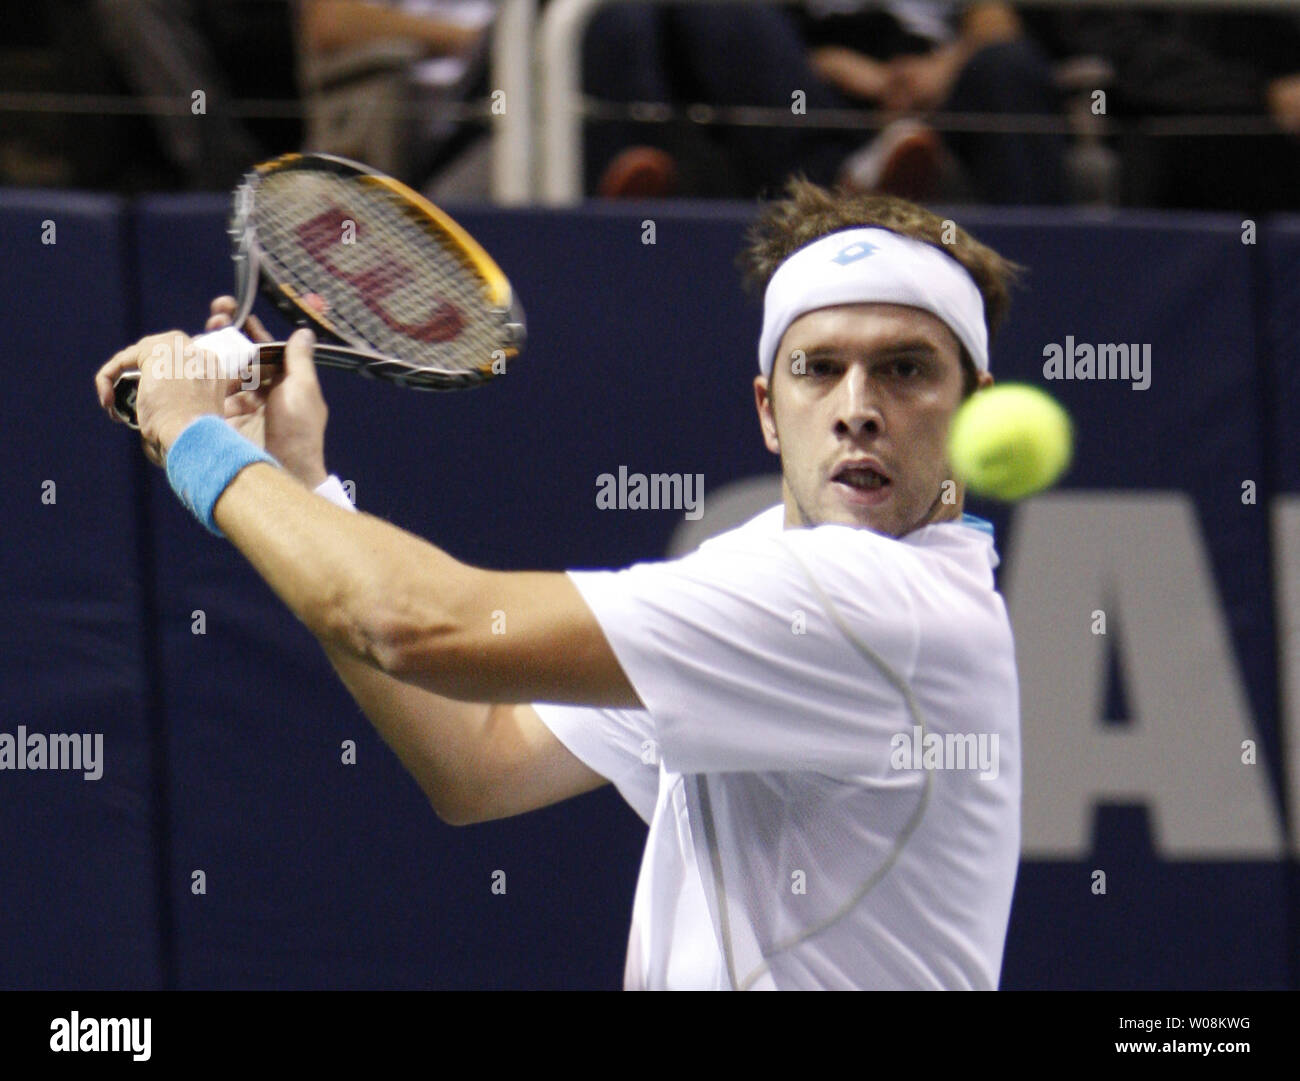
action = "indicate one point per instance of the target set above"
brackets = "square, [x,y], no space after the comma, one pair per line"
[917,56]
[1223,66]
[716,54]
[167,51]
[903,57]
[379,78]
[376,75]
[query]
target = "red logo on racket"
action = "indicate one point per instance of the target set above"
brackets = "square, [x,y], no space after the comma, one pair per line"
[320,235]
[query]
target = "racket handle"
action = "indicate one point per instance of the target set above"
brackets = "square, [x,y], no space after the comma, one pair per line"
[124,391]
[236,354]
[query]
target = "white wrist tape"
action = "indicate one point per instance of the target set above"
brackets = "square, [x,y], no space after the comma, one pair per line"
[332,489]
[236,353]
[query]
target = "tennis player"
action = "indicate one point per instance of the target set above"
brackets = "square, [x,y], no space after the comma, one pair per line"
[800,710]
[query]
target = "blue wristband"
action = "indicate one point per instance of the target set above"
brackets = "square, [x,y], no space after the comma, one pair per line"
[205,458]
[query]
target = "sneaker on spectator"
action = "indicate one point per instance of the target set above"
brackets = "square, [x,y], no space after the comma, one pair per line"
[905,159]
[639,172]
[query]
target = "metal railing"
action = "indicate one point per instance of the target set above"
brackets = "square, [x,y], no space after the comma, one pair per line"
[512,73]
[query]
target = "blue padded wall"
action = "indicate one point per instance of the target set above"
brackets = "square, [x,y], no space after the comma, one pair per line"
[224,727]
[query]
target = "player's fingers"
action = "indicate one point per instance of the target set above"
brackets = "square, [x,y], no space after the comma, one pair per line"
[253,328]
[268,379]
[123,360]
[246,401]
[216,321]
[298,363]
[226,306]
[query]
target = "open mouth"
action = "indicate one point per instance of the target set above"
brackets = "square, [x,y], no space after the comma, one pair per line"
[860,477]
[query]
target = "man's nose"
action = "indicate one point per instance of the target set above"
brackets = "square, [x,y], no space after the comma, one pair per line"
[858,409]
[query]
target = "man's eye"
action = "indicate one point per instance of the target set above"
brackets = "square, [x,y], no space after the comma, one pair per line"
[821,367]
[908,369]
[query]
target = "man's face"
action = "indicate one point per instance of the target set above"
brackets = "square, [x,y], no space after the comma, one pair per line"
[862,432]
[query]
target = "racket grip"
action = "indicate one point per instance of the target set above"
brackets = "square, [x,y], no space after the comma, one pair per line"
[124,391]
[236,354]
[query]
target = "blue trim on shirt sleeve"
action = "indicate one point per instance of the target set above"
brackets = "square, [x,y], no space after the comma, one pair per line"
[982,524]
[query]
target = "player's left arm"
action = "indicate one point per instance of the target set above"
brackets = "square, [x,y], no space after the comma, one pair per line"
[414,612]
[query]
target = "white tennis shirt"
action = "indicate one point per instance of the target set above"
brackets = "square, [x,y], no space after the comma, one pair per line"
[828,758]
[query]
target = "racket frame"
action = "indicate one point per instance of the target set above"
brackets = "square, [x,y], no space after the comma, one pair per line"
[335,348]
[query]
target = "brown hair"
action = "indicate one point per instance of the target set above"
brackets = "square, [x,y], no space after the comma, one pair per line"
[810,211]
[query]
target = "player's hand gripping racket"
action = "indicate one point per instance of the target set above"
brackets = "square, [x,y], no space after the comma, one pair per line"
[393,287]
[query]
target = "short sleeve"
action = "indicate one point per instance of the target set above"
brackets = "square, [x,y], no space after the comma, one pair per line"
[616,743]
[768,653]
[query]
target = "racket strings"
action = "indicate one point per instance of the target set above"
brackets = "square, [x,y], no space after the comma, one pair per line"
[361,257]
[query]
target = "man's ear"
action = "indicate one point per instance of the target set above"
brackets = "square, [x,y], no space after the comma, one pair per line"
[766,417]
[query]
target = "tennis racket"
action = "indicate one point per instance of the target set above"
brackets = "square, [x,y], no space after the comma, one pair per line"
[393,287]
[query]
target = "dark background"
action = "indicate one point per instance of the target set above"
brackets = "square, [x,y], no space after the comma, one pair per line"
[223,750]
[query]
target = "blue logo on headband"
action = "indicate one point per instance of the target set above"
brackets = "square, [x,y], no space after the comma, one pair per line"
[854,252]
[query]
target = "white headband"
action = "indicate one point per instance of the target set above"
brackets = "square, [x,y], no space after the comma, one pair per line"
[870,265]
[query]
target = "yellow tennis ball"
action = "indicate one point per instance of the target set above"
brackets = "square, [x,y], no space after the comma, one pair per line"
[1010,441]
